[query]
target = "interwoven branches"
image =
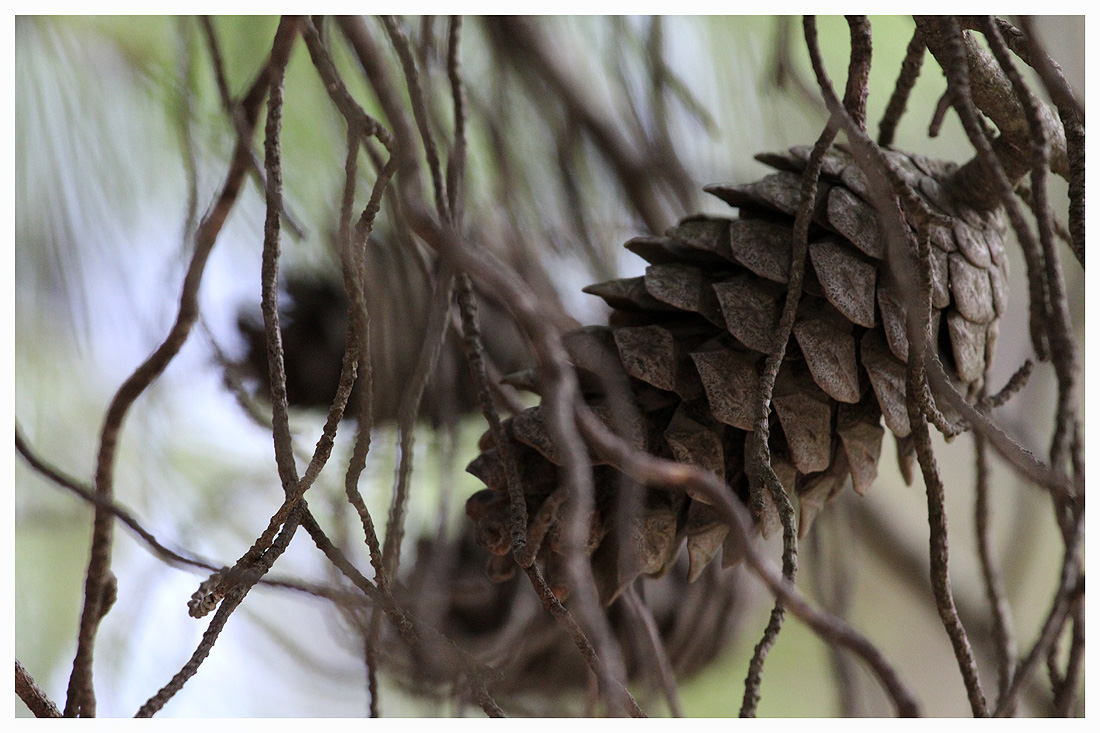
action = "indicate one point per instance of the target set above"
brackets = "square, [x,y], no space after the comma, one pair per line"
[613,504]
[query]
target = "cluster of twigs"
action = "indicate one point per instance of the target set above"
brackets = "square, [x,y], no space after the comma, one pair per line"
[1030,141]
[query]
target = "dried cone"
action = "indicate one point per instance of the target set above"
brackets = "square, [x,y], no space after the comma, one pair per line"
[504,625]
[689,337]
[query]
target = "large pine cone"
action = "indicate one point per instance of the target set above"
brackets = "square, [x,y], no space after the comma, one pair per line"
[690,337]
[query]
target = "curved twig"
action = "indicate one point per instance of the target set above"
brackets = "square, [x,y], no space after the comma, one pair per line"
[918,310]
[759,465]
[81,695]
[33,696]
[1004,640]
[907,79]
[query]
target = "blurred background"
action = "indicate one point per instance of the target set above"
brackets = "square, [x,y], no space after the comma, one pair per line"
[121,142]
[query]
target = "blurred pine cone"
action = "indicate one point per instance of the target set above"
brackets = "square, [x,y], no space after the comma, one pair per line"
[504,625]
[690,337]
[314,321]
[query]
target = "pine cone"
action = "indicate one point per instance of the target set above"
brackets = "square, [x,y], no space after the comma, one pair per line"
[314,330]
[504,625]
[690,337]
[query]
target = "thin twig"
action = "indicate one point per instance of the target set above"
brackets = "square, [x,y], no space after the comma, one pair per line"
[155,546]
[1012,387]
[229,604]
[88,494]
[1062,347]
[1069,585]
[184,116]
[354,277]
[1026,464]
[33,696]
[526,48]
[456,162]
[833,585]
[666,678]
[784,70]
[377,72]
[918,296]
[937,510]
[436,331]
[907,78]
[1026,45]
[985,182]
[1004,641]
[234,110]
[1066,693]
[859,69]
[991,91]
[410,631]
[597,667]
[400,43]
[758,465]
[358,119]
[81,696]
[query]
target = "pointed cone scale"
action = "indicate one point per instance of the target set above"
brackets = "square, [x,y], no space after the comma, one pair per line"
[733,550]
[888,380]
[702,548]
[730,380]
[593,349]
[893,322]
[856,221]
[807,423]
[488,469]
[763,247]
[751,311]
[695,444]
[797,158]
[649,353]
[704,234]
[700,518]
[999,286]
[991,333]
[907,458]
[973,248]
[779,191]
[530,429]
[653,542]
[817,490]
[848,281]
[831,355]
[941,290]
[628,294]
[968,345]
[862,443]
[525,379]
[684,287]
[935,195]
[972,290]
[658,250]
